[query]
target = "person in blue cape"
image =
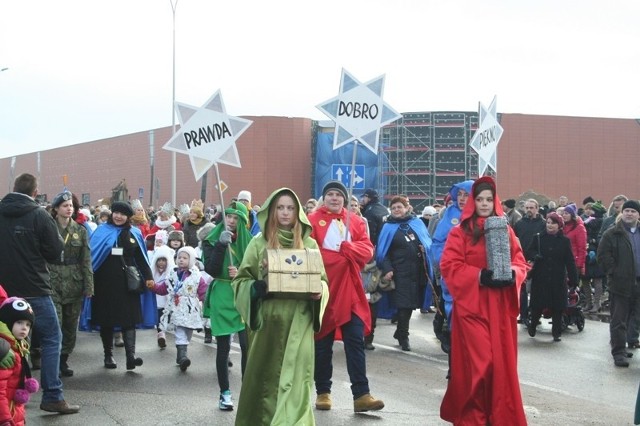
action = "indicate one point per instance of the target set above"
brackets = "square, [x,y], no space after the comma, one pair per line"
[448,218]
[114,245]
[402,255]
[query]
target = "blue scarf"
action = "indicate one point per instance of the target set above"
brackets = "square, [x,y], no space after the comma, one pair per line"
[104,239]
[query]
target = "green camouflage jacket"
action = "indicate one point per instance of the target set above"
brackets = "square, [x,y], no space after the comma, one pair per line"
[72,275]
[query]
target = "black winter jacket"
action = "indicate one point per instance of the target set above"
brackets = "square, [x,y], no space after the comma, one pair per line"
[615,256]
[30,239]
[376,214]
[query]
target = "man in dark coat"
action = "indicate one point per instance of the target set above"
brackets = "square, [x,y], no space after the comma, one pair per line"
[30,239]
[619,256]
[532,223]
[375,214]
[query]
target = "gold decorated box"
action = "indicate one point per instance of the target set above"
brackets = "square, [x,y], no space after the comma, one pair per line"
[294,271]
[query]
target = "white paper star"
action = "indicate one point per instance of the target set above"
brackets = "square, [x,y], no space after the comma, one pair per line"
[207,135]
[486,138]
[359,111]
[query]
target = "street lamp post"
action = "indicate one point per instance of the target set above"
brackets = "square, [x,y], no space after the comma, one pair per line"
[174,4]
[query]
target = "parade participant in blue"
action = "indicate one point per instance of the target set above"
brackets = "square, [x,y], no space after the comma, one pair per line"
[449,218]
[113,245]
[402,255]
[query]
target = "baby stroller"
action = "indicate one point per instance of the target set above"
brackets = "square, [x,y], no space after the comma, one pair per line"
[572,314]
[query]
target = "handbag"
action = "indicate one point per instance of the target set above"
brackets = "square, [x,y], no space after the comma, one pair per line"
[135,283]
[370,277]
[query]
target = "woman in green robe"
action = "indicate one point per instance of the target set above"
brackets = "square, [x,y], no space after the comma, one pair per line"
[279,376]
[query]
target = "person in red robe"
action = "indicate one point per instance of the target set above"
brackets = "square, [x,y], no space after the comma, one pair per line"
[347,317]
[483,388]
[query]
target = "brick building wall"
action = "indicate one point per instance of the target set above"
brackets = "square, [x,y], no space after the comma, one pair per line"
[551,155]
[274,152]
[572,156]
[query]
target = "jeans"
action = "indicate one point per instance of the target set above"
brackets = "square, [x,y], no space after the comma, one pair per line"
[47,331]
[352,336]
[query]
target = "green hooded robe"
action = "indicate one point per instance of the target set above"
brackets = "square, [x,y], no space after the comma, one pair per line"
[278,380]
[218,303]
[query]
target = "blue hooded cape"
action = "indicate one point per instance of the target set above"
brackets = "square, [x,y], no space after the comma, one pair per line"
[450,218]
[389,229]
[102,241]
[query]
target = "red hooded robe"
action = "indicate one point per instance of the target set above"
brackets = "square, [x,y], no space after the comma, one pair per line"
[484,387]
[346,292]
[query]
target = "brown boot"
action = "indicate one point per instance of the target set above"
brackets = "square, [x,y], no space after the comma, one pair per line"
[323,401]
[366,403]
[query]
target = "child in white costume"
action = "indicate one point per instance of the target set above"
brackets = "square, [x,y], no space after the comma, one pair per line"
[162,264]
[185,289]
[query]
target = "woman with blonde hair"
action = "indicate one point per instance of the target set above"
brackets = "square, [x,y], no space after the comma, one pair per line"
[281,355]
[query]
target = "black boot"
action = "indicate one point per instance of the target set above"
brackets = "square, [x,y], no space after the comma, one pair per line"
[207,335]
[129,337]
[65,371]
[35,358]
[402,331]
[107,344]
[182,357]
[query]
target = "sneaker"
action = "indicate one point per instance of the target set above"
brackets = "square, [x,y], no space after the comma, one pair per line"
[225,404]
[162,340]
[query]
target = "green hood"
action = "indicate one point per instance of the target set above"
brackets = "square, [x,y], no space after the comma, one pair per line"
[263,213]
[243,235]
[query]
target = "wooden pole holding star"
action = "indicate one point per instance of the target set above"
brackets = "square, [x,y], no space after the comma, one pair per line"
[359,113]
[208,136]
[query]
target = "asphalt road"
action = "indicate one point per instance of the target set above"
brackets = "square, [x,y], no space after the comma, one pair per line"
[573,382]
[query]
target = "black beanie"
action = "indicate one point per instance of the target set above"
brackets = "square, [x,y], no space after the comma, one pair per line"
[122,207]
[337,186]
[510,203]
[631,204]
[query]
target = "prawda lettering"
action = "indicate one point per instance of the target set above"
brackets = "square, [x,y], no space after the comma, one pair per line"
[488,136]
[358,110]
[206,135]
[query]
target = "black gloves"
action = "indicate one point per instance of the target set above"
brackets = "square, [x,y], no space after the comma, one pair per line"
[259,290]
[486,279]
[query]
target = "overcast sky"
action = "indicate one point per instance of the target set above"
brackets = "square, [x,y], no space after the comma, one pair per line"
[84,70]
